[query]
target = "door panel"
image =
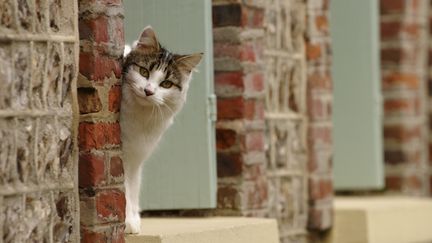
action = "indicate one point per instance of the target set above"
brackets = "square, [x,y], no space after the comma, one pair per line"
[181,174]
[357,119]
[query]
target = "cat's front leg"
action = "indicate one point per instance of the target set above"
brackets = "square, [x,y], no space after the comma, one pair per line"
[132,189]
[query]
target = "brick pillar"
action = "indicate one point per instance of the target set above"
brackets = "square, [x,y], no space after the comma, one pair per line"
[241,161]
[429,77]
[320,99]
[100,167]
[403,70]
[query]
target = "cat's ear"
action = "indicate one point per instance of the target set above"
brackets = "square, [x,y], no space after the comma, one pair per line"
[188,63]
[148,42]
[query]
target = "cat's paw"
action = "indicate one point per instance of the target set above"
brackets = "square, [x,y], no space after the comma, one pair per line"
[133,225]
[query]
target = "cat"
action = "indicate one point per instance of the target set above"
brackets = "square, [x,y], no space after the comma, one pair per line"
[154,90]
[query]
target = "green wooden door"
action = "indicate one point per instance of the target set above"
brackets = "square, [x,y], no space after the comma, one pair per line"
[358,153]
[181,174]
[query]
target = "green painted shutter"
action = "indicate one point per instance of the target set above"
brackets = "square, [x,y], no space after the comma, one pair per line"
[358,153]
[181,174]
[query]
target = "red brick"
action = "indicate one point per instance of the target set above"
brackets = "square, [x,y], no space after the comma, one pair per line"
[402,133]
[228,197]
[88,100]
[114,98]
[320,188]
[313,51]
[395,157]
[390,29]
[320,136]
[254,109]
[254,141]
[229,164]
[393,55]
[95,29]
[252,17]
[225,138]
[110,205]
[322,23]
[88,236]
[319,81]
[229,83]
[91,170]
[98,135]
[393,183]
[402,106]
[227,15]
[116,166]
[117,31]
[254,82]
[230,108]
[406,80]
[98,67]
[392,5]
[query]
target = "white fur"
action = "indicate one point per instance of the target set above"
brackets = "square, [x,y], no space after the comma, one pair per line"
[143,121]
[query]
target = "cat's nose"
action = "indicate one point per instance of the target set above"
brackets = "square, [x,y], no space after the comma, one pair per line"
[148,92]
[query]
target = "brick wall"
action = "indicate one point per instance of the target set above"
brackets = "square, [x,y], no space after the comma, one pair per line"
[429,88]
[403,70]
[100,167]
[239,86]
[38,118]
[319,98]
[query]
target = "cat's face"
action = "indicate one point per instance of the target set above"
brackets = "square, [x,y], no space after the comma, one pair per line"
[156,76]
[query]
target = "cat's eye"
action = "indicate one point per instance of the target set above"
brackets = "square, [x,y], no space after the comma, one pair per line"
[144,72]
[166,84]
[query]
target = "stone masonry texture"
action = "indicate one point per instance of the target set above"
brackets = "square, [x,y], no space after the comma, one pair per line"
[319,102]
[272,76]
[404,49]
[38,121]
[101,188]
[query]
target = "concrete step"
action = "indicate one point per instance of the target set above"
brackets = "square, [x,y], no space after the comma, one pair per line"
[207,229]
[384,219]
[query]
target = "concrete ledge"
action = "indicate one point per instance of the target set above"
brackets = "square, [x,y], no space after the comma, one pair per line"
[382,220]
[208,230]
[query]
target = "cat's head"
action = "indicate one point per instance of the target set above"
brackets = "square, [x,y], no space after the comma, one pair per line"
[155,76]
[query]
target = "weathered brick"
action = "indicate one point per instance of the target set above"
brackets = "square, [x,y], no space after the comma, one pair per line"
[98,135]
[320,188]
[402,133]
[110,205]
[229,84]
[231,108]
[228,197]
[225,138]
[91,170]
[392,5]
[393,183]
[254,141]
[94,29]
[88,100]
[114,98]
[402,106]
[254,82]
[116,167]
[313,51]
[403,80]
[98,67]
[254,109]
[229,164]
[227,15]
